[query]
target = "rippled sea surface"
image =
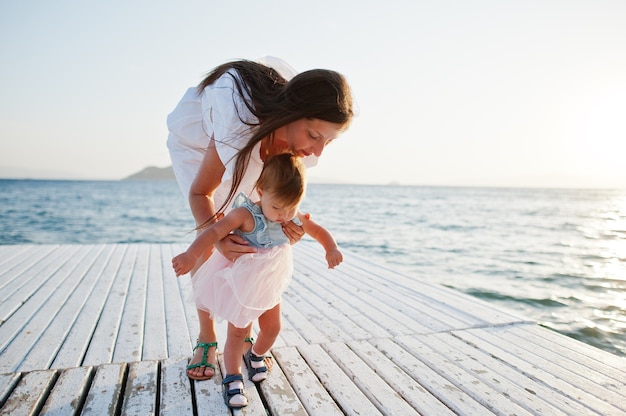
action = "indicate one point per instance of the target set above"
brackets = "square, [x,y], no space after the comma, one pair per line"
[557,256]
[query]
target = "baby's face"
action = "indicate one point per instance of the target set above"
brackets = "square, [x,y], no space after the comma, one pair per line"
[276,211]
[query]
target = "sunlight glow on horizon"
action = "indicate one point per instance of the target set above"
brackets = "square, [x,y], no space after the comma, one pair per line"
[603,131]
[454,93]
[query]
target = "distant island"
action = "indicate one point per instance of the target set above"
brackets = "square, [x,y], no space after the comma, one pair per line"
[152,173]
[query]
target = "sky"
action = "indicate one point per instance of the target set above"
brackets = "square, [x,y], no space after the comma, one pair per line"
[449,93]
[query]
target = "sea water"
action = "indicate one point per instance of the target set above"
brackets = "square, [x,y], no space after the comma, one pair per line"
[557,256]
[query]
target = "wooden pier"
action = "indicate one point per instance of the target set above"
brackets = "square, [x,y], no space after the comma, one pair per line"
[107,330]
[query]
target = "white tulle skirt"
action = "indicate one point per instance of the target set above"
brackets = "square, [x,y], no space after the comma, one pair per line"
[240,292]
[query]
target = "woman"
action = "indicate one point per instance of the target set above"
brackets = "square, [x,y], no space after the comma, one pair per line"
[222,131]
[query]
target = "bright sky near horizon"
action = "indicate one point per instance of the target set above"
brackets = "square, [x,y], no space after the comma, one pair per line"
[485,93]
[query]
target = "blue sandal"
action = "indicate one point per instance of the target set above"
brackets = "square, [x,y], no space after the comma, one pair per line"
[230,393]
[203,363]
[256,374]
[269,361]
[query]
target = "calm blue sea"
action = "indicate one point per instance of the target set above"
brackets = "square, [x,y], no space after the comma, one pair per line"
[556,256]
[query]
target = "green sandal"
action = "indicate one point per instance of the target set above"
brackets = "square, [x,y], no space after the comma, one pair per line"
[203,363]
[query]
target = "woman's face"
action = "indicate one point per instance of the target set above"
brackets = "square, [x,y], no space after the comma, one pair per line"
[309,136]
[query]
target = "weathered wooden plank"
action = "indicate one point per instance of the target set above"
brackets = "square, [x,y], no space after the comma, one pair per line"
[514,356]
[41,310]
[418,309]
[66,311]
[310,391]
[439,386]
[20,268]
[604,386]
[185,290]
[13,256]
[345,393]
[328,311]
[140,396]
[495,401]
[7,384]
[105,335]
[463,307]
[312,317]
[379,393]
[155,332]
[376,350]
[390,315]
[447,306]
[280,398]
[179,340]
[69,392]
[349,301]
[583,351]
[592,359]
[30,393]
[105,394]
[176,394]
[525,392]
[297,326]
[17,260]
[410,390]
[15,295]
[569,369]
[77,342]
[208,396]
[129,344]
[426,314]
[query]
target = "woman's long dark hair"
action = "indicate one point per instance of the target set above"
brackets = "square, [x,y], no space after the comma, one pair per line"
[318,93]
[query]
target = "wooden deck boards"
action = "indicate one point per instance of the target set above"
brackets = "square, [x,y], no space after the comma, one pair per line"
[107,329]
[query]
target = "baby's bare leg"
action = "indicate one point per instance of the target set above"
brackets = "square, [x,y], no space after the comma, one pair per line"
[270,325]
[233,350]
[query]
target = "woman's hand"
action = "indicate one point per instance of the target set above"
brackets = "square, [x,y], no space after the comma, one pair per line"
[234,246]
[294,232]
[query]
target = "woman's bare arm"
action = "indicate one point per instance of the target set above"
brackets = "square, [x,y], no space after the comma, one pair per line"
[208,179]
[205,184]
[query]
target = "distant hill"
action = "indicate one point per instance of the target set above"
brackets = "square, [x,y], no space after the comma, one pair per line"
[152,173]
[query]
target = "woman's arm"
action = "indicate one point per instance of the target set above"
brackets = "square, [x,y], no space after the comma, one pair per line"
[208,179]
[205,184]
[293,232]
[324,237]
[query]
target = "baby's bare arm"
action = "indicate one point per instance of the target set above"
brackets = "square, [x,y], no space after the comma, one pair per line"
[333,255]
[236,219]
[183,263]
